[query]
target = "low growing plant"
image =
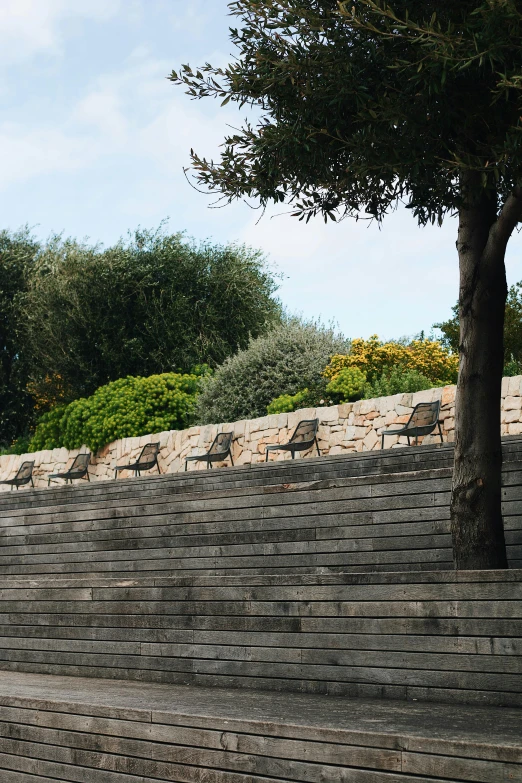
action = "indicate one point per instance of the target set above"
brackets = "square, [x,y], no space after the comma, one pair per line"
[398,381]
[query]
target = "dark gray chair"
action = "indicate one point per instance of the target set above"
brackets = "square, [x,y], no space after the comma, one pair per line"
[78,470]
[423,420]
[221,449]
[147,459]
[303,438]
[24,475]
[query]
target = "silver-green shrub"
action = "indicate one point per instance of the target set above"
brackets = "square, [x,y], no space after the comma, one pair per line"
[287,359]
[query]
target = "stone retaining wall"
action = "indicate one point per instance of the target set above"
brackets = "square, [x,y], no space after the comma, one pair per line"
[343,429]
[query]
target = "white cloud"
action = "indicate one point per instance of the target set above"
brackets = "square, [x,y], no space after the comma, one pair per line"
[30,27]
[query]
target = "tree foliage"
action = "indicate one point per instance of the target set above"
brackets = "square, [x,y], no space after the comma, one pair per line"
[17,254]
[512,331]
[150,304]
[283,361]
[363,104]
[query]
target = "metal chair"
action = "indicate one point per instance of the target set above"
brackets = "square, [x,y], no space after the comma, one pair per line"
[24,475]
[146,460]
[221,449]
[303,438]
[78,469]
[423,420]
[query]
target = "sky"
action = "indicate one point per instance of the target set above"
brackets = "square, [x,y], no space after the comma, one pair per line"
[94,140]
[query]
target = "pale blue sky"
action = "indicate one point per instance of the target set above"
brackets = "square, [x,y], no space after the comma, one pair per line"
[93,140]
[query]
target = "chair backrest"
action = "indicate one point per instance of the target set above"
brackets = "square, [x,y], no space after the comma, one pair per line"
[24,472]
[148,454]
[81,461]
[305,431]
[425,414]
[221,443]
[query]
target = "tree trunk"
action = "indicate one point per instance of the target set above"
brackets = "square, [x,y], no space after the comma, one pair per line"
[476,517]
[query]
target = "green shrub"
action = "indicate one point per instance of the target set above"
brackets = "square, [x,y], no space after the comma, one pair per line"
[397,381]
[286,403]
[348,384]
[128,407]
[291,356]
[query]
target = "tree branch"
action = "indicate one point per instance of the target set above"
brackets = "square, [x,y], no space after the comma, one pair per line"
[510,216]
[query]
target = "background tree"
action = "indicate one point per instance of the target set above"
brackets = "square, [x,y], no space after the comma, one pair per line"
[151,304]
[17,254]
[512,331]
[362,106]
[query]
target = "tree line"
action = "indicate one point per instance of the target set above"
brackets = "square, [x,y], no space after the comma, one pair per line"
[75,316]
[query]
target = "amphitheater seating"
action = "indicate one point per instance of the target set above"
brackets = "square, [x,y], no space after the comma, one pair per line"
[294,621]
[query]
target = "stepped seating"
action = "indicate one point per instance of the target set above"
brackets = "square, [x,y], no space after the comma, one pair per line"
[316,517]
[296,621]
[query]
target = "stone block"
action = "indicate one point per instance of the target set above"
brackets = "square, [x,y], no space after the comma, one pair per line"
[514,385]
[510,416]
[403,410]
[370,440]
[345,409]
[448,395]
[505,387]
[515,428]
[349,434]
[367,406]
[449,424]
[239,427]
[371,415]
[328,414]
[512,403]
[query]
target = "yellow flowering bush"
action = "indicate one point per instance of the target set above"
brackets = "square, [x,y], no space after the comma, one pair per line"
[374,357]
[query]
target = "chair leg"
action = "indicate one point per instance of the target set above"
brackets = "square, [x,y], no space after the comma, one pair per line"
[88,479]
[231,458]
[382,442]
[293,454]
[409,442]
[266,455]
[317,447]
[158,467]
[440,433]
[115,474]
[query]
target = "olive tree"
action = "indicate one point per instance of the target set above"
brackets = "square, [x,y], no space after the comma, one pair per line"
[360,105]
[152,303]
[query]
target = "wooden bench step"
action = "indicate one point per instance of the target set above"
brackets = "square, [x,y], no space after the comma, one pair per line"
[93,731]
[435,636]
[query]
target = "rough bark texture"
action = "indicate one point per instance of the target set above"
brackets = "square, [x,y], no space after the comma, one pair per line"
[476,518]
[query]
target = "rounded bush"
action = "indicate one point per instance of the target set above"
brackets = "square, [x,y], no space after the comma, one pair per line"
[290,357]
[347,384]
[126,408]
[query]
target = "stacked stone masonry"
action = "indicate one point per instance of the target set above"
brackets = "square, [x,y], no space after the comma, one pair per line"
[352,427]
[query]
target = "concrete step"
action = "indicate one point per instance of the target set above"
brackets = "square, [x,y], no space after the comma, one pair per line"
[92,731]
[441,637]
